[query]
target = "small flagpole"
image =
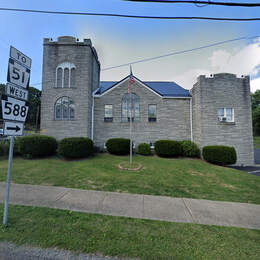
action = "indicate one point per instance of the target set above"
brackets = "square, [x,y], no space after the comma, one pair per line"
[131,106]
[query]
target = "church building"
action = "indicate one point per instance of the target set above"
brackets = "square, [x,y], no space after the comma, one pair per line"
[216,111]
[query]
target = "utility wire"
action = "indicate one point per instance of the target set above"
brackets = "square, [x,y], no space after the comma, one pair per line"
[180,52]
[200,2]
[132,16]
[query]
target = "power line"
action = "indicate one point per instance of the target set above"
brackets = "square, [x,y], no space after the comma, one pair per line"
[133,16]
[233,4]
[180,52]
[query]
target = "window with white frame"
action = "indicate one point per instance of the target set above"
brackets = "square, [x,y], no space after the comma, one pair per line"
[64,109]
[152,113]
[226,114]
[108,113]
[65,75]
[130,107]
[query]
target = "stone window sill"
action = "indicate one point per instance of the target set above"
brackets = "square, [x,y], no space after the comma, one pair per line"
[226,123]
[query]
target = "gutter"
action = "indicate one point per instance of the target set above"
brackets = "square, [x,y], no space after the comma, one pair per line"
[191,131]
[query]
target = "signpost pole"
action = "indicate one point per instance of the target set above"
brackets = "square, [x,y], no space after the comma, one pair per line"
[8,181]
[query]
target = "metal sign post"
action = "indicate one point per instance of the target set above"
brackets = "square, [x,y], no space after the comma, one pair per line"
[15,107]
[8,181]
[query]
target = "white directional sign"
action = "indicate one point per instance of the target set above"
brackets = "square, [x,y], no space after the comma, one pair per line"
[14,109]
[17,92]
[13,128]
[20,57]
[18,74]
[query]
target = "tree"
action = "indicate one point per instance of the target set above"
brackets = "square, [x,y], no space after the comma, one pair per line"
[256,112]
[34,100]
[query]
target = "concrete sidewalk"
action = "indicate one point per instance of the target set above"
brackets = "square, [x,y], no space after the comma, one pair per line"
[137,205]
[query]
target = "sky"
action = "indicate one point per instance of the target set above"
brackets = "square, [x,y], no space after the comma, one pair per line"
[125,40]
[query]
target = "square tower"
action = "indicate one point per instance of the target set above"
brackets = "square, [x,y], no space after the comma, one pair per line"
[71,72]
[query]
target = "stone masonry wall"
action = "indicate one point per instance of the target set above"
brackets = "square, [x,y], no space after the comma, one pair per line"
[81,54]
[224,90]
[173,119]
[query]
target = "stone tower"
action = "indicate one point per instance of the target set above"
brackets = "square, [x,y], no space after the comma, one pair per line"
[222,114]
[71,72]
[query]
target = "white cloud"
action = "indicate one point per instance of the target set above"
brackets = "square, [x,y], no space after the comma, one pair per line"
[255,84]
[245,61]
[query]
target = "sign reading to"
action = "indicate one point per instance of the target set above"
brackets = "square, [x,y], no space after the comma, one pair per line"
[20,57]
[14,109]
[13,128]
[18,74]
[17,92]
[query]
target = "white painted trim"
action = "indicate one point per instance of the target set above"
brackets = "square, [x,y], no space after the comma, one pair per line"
[191,130]
[177,97]
[149,88]
[116,85]
[92,121]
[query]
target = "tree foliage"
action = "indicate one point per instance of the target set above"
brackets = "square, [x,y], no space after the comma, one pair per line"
[256,112]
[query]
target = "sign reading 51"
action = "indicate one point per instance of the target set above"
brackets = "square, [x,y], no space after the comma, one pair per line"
[18,74]
[14,109]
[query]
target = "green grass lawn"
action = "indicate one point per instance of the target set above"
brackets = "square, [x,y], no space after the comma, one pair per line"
[190,178]
[125,237]
[257,141]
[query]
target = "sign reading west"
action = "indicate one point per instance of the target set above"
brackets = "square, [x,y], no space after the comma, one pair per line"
[17,92]
[14,109]
[18,74]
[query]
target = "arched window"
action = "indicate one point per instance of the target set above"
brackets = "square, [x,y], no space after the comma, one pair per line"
[65,75]
[64,109]
[130,107]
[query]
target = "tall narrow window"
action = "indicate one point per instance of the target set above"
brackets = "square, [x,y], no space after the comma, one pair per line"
[108,113]
[226,114]
[65,75]
[130,107]
[152,113]
[64,109]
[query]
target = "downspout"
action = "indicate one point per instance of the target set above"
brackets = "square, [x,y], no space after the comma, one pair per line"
[191,131]
[92,121]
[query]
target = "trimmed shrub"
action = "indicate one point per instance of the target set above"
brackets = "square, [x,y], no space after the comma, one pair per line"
[219,154]
[37,146]
[118,146]
[168,148]
[144,149]
[4,148]
[190,149]
[75,147]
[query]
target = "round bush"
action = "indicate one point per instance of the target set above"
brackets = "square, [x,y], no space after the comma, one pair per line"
[75,147]
[37,146]
[144,149]
[190,149]
[118,146]
[4,148]
[219,154]
[168,148]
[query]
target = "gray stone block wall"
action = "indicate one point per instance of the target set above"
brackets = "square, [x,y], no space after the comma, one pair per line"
[224,90]
[84,57]
[173,117]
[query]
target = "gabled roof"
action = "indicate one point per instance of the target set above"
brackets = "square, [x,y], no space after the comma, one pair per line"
[163,88]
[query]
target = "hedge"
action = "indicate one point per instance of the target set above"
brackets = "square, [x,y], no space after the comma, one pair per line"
[144,149]
[168,148]
[37,146]
[75,147]
[190,149]
[118,146]
[219,154]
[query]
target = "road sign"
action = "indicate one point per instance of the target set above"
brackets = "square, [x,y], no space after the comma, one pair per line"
[20,57]
[18,74]
[14,109]
[13,128]
[17,92]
